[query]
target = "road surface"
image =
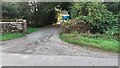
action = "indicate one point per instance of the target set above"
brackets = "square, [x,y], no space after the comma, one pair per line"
[44,47]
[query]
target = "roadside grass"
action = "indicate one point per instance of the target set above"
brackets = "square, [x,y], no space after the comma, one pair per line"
[9,36]
[95,42]
[30,30]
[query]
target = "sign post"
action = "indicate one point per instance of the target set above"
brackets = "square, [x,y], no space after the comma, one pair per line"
[64,17]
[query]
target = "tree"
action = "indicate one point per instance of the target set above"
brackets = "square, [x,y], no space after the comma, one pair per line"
[9,10]
[96,14]
[36,13]
[114,7]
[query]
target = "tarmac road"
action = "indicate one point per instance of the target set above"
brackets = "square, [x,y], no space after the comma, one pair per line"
[44,48]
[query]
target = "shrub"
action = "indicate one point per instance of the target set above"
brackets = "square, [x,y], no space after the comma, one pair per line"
[96,14]
[76,25]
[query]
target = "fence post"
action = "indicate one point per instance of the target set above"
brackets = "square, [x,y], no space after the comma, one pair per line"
[24,27]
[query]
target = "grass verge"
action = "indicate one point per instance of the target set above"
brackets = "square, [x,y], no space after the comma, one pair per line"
[96,42]
[9,36]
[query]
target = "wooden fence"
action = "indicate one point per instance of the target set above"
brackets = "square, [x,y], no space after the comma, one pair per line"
[13,27]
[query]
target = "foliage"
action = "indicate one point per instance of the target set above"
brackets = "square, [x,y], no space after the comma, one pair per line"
[9,36]
[45,14]
[30,30]
[75,25]
[97,15]
[9,10]
[36,13]
[114,7]
[95,42]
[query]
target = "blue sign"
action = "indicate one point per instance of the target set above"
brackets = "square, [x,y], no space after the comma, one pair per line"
[66,17]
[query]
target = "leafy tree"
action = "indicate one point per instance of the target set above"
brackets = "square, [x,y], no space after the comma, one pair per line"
[96,14]
[114,7]
[36,13]
[9,10]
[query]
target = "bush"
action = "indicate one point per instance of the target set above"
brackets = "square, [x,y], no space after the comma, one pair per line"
[76,25]
[100,20]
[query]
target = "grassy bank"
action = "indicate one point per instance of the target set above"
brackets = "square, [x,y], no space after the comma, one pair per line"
[9,36]
[91,41]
